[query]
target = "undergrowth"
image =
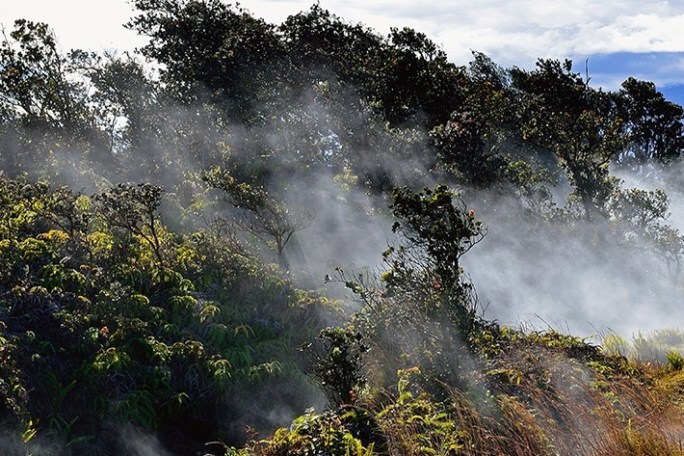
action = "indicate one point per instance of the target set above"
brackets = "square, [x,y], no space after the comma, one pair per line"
[534,393]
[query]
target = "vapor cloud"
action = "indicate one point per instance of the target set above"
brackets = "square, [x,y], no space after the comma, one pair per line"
[577,279]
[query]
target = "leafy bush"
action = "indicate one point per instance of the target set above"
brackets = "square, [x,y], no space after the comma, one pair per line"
[339,364]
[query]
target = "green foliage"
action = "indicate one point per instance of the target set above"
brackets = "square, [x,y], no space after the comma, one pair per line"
[133,209]
[461,146]
[112,314]
[660,141]
[431,220]
[422,313]
[230,45]
[579,124]
[675,361]
[105,322]
[313,433]
[45,109]
[319,43]
[34,79]
[339,364]
[419,425]
[639,219]
[439,229]
[415,77]
[263,216]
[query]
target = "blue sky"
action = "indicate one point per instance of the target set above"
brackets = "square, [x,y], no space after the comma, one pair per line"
[664,68]
[621,38]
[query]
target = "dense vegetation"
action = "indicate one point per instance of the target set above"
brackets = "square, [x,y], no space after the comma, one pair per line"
[178,227]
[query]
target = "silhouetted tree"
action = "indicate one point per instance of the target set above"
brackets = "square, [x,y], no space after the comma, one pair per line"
[654,126]
[579,124]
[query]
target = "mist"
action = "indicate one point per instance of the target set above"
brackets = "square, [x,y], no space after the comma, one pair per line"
[525,272]
[567,279]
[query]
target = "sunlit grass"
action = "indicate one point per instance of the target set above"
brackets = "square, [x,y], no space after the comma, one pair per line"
[660,346]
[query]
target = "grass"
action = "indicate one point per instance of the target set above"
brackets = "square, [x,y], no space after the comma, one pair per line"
[664,346]
[534,393]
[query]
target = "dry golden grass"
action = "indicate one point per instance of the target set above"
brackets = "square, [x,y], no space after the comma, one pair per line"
[537,395]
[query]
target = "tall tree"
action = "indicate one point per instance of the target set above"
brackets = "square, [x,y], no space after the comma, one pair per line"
[417,82]
[209,51]
[126,98]
[262,215]
[34,78]
[321,46]
[654,124]
[579,124]
[46,99]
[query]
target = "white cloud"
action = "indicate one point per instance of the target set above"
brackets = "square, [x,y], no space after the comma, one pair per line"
[636,33]
[78,23]
[513,32]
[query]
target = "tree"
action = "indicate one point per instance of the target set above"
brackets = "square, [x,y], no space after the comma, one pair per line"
[210,51]
[45,100]
[416,82]
[639,219]
[322,47]
[465,148]
[580,125]
[127,102]
[261,215]
[339,368]
[133,209]
[438,229]
[34,78]
[424,313]
[654,126]
[481,145]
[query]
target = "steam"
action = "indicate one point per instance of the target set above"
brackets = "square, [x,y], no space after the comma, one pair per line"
[137,443]
[524,270]
[347,231]
[575,279]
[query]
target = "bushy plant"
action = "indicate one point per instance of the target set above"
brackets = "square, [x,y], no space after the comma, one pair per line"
[109,318]
[313,434]
[339,364]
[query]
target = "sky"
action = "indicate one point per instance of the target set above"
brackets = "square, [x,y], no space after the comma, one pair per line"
[613,39]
